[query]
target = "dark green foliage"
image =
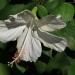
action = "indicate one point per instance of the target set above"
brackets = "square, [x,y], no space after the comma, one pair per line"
[51,62]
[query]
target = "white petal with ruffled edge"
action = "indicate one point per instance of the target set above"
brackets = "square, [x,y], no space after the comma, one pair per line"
[9,34]
[51,41]
[51,23]
[31,48]
[22,38]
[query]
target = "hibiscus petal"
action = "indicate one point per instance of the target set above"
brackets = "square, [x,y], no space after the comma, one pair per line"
[22,38]
[31,47]
[50,23]
[24,16]
[9,34]
[12,23]
[52,41]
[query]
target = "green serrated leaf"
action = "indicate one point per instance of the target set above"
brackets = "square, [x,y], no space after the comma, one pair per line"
[42,11]
[40,66]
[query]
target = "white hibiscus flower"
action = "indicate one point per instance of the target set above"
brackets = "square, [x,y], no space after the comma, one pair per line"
[30,32]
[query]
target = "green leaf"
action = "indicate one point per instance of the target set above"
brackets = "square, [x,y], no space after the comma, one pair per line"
[11,9]
[48,53]
[72,61]
[52,5]
[40,66]
[42,11]
[66,11]
[14,9]
[20,68]
[3,3]
[60,61]
[2,45]
[68,33]
[71,70]
[4,69]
